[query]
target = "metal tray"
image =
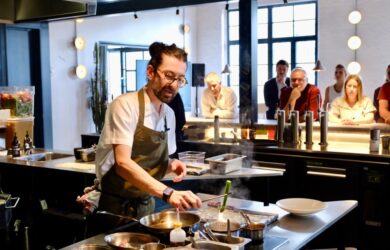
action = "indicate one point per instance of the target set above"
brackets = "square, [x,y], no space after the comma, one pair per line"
[225,163]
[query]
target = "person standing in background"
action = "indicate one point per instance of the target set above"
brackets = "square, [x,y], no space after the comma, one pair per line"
[273,86]
[301,95]
[335,90]
[177,106]
[384,99]
[218,100]
[353,108]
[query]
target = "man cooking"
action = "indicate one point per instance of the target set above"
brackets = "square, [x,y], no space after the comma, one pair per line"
[138,136]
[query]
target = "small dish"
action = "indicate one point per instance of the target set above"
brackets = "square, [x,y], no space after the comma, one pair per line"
[301,206]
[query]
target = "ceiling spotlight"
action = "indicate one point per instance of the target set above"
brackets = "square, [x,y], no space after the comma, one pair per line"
[135,15]
[177,11]
[227,6]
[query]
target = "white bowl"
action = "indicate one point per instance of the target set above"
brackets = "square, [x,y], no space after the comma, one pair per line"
[301,206]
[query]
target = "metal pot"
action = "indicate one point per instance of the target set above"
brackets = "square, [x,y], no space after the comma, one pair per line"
[254,231]
[222,227]
[129,241]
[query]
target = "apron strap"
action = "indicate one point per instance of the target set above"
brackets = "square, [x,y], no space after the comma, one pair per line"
[141,101]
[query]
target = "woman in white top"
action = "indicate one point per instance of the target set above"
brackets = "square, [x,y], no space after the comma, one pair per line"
[353,108]
[335,90]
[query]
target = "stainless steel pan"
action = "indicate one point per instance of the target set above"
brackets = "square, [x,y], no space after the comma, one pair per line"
[162,222]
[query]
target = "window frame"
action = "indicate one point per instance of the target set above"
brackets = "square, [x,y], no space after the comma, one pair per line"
[271,40]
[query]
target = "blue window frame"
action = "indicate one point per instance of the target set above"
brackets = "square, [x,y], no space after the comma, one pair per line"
[285,31]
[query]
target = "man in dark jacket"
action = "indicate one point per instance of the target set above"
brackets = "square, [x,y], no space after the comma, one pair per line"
[273,86]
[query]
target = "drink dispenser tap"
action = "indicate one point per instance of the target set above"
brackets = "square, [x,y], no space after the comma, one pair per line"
[309,127]
[294,118]
[323,128]
[281,124]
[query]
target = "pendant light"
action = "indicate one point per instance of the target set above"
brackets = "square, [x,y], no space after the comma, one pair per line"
[318,66]
[226,70]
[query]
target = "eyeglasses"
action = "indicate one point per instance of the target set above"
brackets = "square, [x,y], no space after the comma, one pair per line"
[297,79]
[170,78]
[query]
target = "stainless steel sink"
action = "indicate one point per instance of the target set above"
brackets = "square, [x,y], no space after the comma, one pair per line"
[45,156]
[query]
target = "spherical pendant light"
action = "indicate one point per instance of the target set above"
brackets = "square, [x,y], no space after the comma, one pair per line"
[354,42]
[354,68]
[355,17]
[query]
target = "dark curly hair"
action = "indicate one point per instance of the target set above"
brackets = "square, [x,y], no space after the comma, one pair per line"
[156,50]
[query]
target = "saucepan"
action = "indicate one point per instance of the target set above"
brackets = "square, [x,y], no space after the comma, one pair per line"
[129,241]
[163,222]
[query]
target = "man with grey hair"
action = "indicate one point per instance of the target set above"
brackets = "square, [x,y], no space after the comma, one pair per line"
[301,95]
[218,100]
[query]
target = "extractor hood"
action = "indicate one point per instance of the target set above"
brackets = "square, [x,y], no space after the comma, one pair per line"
[14,11]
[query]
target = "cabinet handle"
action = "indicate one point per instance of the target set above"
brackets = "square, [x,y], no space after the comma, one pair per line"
[327,171]
[268,165]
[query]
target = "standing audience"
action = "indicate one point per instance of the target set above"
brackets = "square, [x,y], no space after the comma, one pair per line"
[273,86]
[384,98]
[301,95]
[218,100]
[353,108]
[335,90]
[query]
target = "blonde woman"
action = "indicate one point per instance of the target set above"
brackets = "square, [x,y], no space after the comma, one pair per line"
[353,108]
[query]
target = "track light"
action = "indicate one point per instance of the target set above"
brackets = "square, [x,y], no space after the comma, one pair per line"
[135,15]
[285,1]
[227,5]
[177,11]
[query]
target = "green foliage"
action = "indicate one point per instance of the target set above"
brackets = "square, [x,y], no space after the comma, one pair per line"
[98,99]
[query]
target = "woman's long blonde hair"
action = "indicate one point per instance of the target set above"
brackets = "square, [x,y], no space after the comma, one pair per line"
[360,87]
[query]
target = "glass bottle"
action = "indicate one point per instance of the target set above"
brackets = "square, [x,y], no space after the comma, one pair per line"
[177,237]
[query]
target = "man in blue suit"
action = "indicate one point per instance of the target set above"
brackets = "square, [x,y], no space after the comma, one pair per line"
[273,86]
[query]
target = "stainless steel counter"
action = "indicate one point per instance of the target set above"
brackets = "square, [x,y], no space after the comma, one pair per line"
[298,230]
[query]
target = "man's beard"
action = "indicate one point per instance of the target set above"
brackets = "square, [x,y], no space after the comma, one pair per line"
[164,94]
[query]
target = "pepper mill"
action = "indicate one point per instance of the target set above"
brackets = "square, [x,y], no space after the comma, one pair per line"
[216,129]
[309,127]
[323,128]
[294,118]
[374,140]
[281,124]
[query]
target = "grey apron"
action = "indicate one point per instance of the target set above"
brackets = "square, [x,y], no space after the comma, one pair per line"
[150,151]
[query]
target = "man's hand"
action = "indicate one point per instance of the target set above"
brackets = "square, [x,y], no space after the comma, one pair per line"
[179,168]
[184,200]
[295,94]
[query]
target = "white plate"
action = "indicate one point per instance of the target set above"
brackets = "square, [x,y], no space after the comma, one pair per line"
[301,206]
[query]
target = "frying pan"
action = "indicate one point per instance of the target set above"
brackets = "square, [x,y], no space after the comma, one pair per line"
[162,222]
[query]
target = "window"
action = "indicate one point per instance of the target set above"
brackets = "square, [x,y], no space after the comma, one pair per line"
[286,32]
[121,67]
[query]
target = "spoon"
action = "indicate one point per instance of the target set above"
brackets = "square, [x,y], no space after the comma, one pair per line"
[229,238]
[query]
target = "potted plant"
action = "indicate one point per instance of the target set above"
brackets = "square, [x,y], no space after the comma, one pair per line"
[98,99]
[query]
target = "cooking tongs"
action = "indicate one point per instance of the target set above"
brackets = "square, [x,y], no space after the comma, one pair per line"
[216,197]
